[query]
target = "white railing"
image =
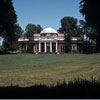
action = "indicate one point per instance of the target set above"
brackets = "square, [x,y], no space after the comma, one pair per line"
[48,37]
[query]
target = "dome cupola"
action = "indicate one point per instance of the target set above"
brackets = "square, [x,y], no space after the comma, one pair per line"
[49,30]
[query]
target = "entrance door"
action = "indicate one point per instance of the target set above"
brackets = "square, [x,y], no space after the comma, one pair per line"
[48,47]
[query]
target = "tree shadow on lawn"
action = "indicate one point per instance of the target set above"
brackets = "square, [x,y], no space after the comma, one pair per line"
[79,89]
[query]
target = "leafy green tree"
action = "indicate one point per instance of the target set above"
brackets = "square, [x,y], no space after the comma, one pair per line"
[68,43]
[90,37]
[8,47]
[32,29]
[88,31]
[8,19]
[14,46]
[84,28]
[90,10]
[69,25]
[61,30]
[79,32]
[92,34]
[69,28]
[18,32]
[39,28]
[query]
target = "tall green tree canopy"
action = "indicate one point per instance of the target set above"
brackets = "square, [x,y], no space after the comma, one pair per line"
[84,28]
[18,32]
[70,29]
[39,28]
[88,31]
[8,19]
[69,25]
[14,45]
[32,29]
[90,10]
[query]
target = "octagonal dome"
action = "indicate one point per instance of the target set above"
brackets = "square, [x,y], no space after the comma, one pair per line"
[49,30]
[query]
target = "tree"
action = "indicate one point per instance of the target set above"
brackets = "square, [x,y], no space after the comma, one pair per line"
[32,29]
[69,25]
[69,28]
[90,34]
[79,32]
[18,32]
[84,28]
[14,46]
[90,10]
[8,19]
[39,28]
[68,43]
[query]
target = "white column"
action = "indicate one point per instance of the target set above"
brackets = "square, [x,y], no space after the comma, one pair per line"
[45,47]
[56,47]
[72,47]
[26,47]
[76,47]
[39,46]
[50,46]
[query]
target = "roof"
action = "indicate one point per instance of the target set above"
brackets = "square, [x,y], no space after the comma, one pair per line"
[23,39]
[36,34]
[49,30]
[76,39]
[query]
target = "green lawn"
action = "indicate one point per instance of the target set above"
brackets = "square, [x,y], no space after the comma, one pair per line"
[29,69]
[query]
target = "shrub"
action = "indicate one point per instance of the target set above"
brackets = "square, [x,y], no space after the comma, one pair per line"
[74,51]
[24,50]
[10,46]
[2,48]
[87,48]
[14,47]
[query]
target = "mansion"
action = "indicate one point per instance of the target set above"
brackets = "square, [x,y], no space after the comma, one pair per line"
[48,41]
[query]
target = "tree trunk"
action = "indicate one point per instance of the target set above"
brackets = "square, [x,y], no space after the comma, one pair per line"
[98,44]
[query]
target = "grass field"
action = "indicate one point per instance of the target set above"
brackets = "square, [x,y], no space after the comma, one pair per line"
[29,69]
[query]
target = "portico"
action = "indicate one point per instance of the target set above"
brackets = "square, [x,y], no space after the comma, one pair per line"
[48,47]
[48,41]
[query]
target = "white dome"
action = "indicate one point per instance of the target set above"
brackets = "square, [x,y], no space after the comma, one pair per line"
[49,30]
